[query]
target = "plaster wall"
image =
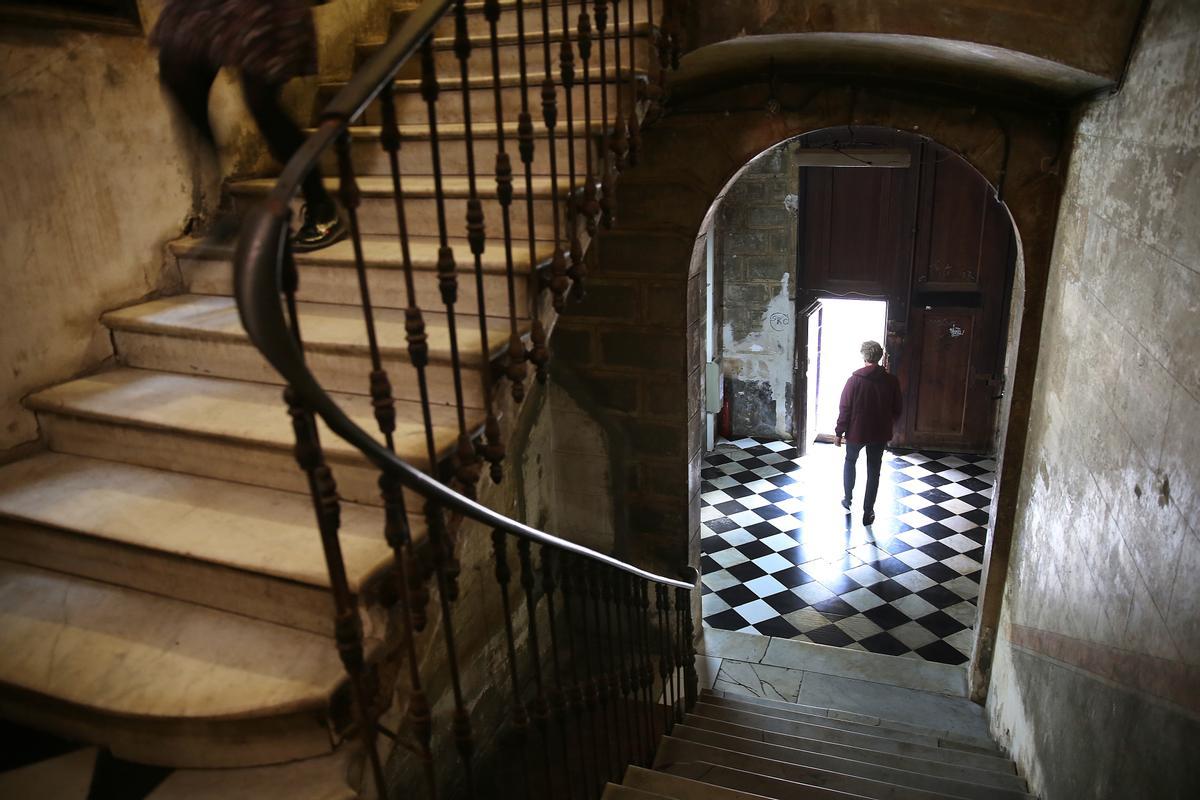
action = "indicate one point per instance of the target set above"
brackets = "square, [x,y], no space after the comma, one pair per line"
[1096,678]
[99,176]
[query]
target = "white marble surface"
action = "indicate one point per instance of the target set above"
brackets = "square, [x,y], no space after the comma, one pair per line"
[230,524]
[227,409]
[758,680]
[66,777]
[321,778]
[117,651]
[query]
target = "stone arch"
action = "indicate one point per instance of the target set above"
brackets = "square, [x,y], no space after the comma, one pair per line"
[642,321]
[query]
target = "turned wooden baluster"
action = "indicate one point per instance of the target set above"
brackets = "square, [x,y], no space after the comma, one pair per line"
[578,690]
[323,490]
[520,719]
[515,365]
[396,530]
[556,693]
[493,450]
[635,127]
[466,474]
[538,708]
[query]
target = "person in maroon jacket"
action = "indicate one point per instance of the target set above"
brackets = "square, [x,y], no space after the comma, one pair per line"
[870,406]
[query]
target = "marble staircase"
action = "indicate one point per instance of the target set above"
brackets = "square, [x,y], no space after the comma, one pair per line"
[163,590]
[738,747]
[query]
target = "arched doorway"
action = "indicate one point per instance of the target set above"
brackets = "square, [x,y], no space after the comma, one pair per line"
[815,239]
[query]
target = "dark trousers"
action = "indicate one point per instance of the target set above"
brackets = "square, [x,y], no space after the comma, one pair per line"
[874,460]
[190,82]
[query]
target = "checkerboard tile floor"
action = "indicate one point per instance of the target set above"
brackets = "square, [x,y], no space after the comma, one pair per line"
[780,556]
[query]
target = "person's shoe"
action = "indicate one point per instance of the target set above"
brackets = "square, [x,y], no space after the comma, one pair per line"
[318,230]
[868,517]
[846,503]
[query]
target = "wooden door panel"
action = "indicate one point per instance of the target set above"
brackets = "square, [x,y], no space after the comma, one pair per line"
[940,392]
[953,215]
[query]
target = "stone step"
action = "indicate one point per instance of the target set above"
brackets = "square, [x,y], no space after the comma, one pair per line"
[202,334]
[65,777]
[328,275]
[751,773]
[614,791]
[873,770]
[869,741]
[322,778]
[817,716]
[411,108]
[238,548]
[681,788]
[377,213]
[370,158]
[717,779]
[161,681]
[229,430]
[477,24]
[908,763]
[937,737]
[446,63]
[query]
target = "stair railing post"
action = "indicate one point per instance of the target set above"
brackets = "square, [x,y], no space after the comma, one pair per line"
[520,720]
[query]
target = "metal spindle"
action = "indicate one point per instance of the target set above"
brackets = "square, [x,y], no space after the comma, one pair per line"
[635,128]
[559,282]
[322,490]
[396,530]
[613,673]
[618,143]
[602,672]
[690,678]
[577,690]
[538,355]
[567,60]
[664,654]
[556,693]
[515,365]
[441,545]
[624,632]
[538,708]
[677,672]
[467,472]
[600,14]
[520,720]
[642,601]
[493,450]
[589,204]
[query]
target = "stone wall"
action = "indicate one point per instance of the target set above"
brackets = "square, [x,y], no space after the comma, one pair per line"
[756,268]
[1096,682]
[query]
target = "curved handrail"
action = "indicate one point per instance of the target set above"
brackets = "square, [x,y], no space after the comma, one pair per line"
[258,285]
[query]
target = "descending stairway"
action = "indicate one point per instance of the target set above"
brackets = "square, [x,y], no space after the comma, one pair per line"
[163,591]
[732,747]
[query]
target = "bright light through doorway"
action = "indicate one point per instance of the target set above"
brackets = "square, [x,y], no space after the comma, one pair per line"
[836,331]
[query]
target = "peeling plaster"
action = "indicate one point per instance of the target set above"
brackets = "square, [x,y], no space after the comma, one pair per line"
[766,355]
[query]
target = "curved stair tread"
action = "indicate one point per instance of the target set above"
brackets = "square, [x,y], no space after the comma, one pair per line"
[233,410]
[320,778]
[379,252]
[613,791]
[484,80]
[120,652]
[248,528]
[329,328]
